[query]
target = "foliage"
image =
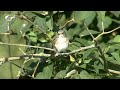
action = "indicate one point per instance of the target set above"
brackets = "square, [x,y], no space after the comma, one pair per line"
[37,28]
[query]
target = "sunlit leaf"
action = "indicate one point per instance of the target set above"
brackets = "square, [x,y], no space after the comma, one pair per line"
[117,38]
[72,59]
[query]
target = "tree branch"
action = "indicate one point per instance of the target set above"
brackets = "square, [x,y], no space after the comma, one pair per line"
[21,45]
[78,50]
[107,32]
[114,71]
[99,48]
[72,20]
[3,59]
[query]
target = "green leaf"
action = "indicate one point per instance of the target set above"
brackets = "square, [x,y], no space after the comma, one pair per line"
[116,13]
[50,33]
[85,75]
[41,22]
[85,33]
[60,75]
[112,60]
[11,51]
[87,60]
[61,20]
[42,38]
[32,36]
[70,67]
[5,22]
[81,15]
[91,17]
[10,69]
[72,59]
[76,76]
[106,22]
[84,42]
[20,26]
[101,14]
[117,38]
[71,73]
[46,73]
[74,31]
[28,14]
[87,53]
[116,56]
[74,46]
[98,65]
[49,23]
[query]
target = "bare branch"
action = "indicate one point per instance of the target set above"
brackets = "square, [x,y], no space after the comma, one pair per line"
[43,55]
[3,59]
[89,31]
[78,50]
[5,33]
[112,30]
[21,45]
[107,32]
[72,20]
[99,48]
[114,71]
[33,75]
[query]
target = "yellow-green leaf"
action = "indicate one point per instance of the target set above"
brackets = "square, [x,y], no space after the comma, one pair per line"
[72,59]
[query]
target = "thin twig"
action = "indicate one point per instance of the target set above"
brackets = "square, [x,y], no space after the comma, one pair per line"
[21,69]
[5,33]
[43,54]
[99,48]
[22,51]
[99,35]
[88,31]
[3,59]
[21,45]
[112,30]
[117,21]
[25,18]
[33,75]
[107,32]
[72,20]
[78,50]
[102,26]
[114,71]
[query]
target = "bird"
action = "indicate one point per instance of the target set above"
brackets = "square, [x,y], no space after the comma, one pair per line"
[60,42]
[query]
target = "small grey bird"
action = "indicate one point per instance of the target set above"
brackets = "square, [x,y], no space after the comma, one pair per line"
[60,42]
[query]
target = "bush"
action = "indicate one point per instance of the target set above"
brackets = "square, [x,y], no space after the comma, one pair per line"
[26,45]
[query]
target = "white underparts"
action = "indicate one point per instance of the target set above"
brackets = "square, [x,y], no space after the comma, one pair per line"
[61,43]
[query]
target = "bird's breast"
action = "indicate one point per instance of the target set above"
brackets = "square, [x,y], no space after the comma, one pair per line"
[61,44]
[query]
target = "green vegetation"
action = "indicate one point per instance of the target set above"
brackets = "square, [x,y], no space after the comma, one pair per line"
[26,45]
